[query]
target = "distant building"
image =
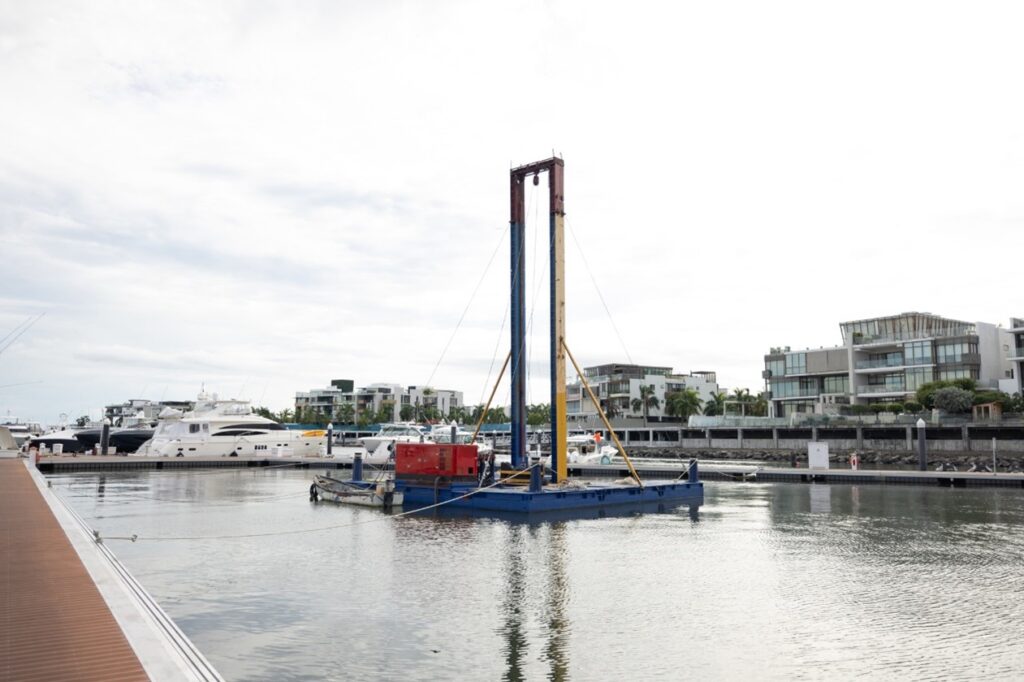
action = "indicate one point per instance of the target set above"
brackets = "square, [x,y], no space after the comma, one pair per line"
[886,359]
[1014,347]
[377,398]
[144,410]
[616,385]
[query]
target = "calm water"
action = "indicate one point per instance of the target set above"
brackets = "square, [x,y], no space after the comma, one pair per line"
[767,581]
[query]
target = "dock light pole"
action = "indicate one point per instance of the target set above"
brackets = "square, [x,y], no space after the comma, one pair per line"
[922,453]
[330,437]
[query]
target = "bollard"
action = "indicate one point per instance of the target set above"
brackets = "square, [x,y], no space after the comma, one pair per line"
[330,439]
[535,474]
[922,453]
[105,437]
[357,467]
[693,476]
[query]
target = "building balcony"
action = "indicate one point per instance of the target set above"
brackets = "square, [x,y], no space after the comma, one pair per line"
[798,394]
[879,391]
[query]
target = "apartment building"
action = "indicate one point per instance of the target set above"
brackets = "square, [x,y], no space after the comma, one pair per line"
[886,359]
[1014,346]
[616,385]
[376,398]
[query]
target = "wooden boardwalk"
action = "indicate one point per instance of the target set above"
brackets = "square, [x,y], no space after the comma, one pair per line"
[54,624]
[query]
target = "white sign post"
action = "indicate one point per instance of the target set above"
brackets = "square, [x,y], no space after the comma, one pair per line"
[817,455]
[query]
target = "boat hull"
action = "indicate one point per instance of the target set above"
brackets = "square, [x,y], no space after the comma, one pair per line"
[516,499]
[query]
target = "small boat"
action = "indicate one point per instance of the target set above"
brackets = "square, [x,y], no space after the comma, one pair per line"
[380,493]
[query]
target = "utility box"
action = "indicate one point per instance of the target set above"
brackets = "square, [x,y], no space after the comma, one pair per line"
[817,455]
[435,460]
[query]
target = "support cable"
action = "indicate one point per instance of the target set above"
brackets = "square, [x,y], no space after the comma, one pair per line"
[593,280]
[465,310]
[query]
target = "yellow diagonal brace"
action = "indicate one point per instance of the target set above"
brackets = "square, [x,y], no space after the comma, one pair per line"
[604,419]
[483,415]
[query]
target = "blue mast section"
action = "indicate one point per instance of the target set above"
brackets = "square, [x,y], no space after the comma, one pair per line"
[518,320]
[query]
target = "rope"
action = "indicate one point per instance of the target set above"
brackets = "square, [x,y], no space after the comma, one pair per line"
[465,310]
[593,280]
[301,531]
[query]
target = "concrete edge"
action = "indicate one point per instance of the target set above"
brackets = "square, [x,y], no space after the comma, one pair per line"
[135,611]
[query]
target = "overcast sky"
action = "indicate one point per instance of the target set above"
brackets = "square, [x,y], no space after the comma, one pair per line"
[266,196]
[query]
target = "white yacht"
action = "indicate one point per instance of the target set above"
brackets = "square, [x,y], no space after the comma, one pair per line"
[227,428]
[21,429]
[442,433]
[402,432]
[589,449]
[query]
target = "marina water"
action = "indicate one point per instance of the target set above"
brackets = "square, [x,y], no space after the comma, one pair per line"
[770,581]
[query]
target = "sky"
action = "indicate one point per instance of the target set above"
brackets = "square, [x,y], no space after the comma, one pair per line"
[260,197]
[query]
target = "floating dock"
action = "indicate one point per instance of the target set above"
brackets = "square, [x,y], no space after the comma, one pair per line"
[656,470]
[68,612]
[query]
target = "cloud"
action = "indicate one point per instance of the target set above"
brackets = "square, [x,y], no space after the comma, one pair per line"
[289,194]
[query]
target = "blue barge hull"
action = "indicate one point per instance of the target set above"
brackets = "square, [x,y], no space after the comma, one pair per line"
[520,500]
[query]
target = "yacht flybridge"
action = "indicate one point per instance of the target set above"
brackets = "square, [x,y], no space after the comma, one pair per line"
[227,428]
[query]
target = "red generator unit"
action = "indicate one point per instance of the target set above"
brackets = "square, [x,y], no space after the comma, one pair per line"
[432,463]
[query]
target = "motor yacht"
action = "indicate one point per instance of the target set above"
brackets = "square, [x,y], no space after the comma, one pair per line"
[227,428]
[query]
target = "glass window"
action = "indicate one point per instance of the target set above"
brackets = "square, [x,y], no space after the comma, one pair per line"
[840,384]
[916,378]
[796,363]
[776,367]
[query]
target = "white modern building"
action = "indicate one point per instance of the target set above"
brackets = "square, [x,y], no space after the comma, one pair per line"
[1014,347]
[886,359]
[376,398]
[616,385]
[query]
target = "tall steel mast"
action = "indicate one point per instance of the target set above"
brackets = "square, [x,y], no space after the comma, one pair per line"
[556,183]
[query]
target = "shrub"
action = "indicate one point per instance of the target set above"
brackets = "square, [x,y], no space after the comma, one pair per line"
[878,407]
[912,407]
[860,409]
[953,400]
[895,408]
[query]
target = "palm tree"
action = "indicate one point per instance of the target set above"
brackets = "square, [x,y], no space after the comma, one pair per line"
[715,405]
[682,404]
[406,413]
[345,413]
[646,401]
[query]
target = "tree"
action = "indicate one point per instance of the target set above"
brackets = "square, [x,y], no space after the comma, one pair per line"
[715,405]
[537,415]
[926,392]
[759,408]
[953,400]
[386,413]
[682,403]
[646,401]
[286,415]
[83,420]
[264,412]
[345,413]
[609,408]
[406,413]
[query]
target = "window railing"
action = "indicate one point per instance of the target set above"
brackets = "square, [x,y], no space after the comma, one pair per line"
[880,388]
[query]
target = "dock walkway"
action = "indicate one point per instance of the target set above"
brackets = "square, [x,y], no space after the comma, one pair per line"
[54,623]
